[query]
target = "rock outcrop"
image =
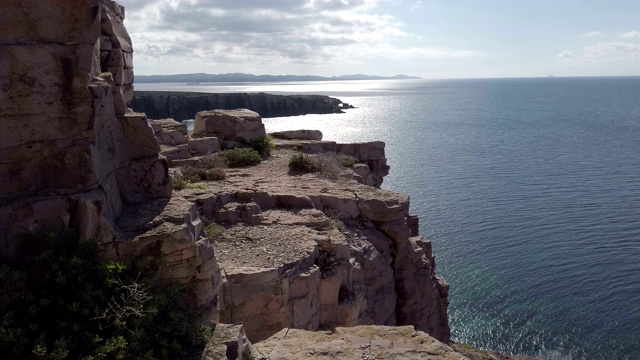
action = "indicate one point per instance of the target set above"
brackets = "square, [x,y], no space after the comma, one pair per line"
[181,106]
[73,155]
[315,251]
[235,125]
[293,252]
[359,342]
[298,135]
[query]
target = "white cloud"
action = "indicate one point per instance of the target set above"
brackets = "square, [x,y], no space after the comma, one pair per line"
[592,34]
[614,48]
[630,35]
[257,34]
[565,55]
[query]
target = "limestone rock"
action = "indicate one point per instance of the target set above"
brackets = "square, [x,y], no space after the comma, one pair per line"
[66,22]
[298,135]
[179,152]
[308,146]
[205,145]
[184,106]
[359,342]
[170,132]
[67,136]
[239,124]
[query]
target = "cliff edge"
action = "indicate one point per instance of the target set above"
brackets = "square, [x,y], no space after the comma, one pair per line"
[181,106]
[268,246]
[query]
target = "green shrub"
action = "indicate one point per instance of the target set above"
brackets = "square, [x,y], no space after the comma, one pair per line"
[179,184]
[347,161]
[213,231]
[239,157]
[66,303]
[212,174]
[305,163]
[263,145]
[345,295]
[192,174]
[337,224]
[213,161]
[326,260]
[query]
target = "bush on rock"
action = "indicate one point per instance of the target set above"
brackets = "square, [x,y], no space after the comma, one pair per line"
[66,303]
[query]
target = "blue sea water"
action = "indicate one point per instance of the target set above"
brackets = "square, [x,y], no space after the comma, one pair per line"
[529,190]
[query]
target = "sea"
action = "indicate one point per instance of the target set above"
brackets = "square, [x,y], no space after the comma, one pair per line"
[528,188]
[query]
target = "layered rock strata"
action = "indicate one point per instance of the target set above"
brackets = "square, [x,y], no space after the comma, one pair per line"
[73,154]
[181,106]
[313,251]
[359,342]
[240,125]
[76,156]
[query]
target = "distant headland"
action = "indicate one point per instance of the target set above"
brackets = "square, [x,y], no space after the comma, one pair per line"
[240,77]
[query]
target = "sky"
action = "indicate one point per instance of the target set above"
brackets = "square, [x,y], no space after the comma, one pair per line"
[433,39]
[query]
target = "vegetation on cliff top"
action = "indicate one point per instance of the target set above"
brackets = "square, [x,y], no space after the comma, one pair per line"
[67,303]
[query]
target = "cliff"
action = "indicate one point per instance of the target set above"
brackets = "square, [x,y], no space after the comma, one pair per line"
[265,246]
[73,154]
[181,106]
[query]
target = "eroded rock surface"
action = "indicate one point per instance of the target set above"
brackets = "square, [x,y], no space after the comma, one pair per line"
[314,251]
[305,251]
[73,154]
[235,125]
[298,135]
[359,342]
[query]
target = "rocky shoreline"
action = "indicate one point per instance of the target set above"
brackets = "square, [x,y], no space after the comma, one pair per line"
[184,105]
[321,264]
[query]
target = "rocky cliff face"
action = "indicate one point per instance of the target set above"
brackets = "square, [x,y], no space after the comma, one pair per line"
[160,105]
[73,155]
[306,251]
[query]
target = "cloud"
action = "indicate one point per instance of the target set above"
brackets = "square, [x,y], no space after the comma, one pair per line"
[614,48]
[592,34]
[258,32]
[630,35]
[565,55]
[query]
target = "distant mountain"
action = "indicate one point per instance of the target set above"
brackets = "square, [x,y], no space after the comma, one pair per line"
[240,77]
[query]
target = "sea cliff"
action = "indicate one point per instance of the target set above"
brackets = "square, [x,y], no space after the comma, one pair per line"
[300,250]
[181,106]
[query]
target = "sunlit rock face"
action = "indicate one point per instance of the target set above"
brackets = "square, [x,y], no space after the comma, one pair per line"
[72,153]
[74,156]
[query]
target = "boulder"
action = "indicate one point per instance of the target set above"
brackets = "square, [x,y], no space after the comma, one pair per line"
[204,145]
[237,125]
[170,132]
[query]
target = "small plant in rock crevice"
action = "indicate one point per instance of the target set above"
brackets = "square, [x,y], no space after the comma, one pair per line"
[345,295]
[347,160]
[192,174]
[213,231]
[304,163]
[337,224]
[179,184]
[326,260]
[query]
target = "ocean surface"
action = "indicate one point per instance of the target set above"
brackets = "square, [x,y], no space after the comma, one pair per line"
[529,190]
